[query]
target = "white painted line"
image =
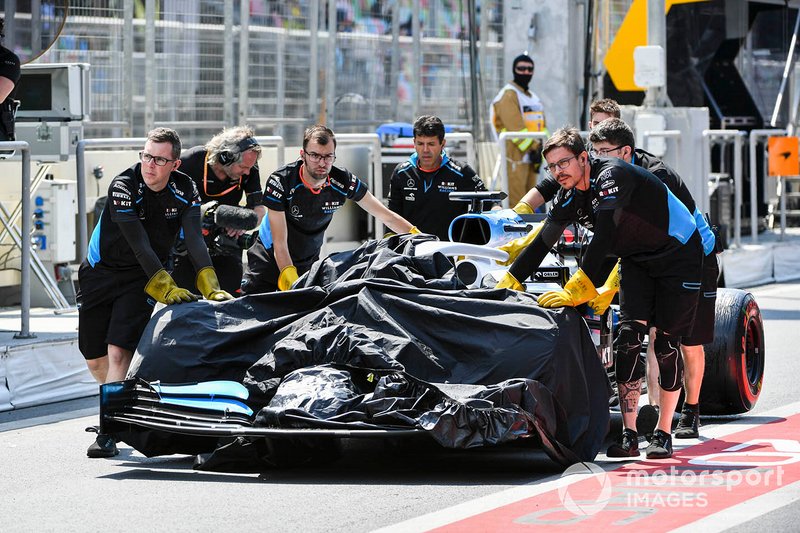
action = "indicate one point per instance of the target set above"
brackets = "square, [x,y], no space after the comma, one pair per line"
[745,511]
[493,501]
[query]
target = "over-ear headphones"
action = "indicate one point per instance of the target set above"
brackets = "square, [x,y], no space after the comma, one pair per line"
[228,157]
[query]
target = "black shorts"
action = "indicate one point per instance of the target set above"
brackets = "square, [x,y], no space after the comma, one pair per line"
[663,292]
[705,317]
[229,271]
[113,309]
[262,271]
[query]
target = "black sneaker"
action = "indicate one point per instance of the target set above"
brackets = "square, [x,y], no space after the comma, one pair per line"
[647,420]
[104,446]
[626,446]
[660,446]
[688,423]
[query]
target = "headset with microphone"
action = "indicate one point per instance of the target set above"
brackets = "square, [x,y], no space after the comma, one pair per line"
[228,157]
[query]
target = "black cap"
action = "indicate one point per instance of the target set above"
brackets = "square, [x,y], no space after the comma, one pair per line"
[522,57]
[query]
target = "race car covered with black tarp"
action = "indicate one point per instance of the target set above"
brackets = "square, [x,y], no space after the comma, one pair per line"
[376,338]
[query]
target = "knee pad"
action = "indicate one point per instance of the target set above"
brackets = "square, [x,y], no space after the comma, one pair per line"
[670,363]
[627,347]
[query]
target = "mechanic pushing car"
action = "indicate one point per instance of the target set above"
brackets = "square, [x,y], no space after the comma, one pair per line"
[613,136]
[124,275]
[616,139]
[635,217]
[420,187]
[301,199]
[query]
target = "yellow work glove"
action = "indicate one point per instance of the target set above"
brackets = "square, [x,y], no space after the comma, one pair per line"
[579,289]
[508,281]
[606,292]
[523,208]
[287,278]
[414,230]
[515,247]
[163,288]
[208,284]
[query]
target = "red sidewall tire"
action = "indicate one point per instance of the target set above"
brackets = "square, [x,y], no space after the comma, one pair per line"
[734,370]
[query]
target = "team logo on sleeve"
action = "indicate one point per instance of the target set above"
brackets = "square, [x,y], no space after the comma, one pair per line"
[121,187]
[275,184]
[606,185]
[273,191]
[338,183]
[608,192]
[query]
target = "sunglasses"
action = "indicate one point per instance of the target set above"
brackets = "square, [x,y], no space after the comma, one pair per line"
[524,69]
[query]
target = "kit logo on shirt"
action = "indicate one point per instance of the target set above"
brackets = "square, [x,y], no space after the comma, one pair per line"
[607,192]
[295,211]
[274,192]
[170,213]
[447,186]
[331,207]
[410,183]
[410,197]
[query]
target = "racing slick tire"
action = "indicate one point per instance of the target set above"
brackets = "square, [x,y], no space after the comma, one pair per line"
[734,370]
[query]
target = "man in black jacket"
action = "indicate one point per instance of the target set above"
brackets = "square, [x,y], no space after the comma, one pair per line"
[420,187]
[634,216]
[302,198]
[614,138]
[123,275]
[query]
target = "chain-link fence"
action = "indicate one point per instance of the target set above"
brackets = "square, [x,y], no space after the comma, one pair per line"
[200,65]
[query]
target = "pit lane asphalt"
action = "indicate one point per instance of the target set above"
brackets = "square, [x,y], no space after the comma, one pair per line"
[47,483]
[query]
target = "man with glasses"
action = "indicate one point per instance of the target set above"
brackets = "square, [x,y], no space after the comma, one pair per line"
[635,217]
[614,138]
[301,199]
[518,109]
[224,170]
[123,274]
[420,187]
[546,188]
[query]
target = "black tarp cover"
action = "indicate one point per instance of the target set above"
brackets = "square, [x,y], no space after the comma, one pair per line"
[379,338]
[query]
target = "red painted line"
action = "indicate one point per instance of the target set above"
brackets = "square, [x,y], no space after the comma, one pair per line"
[697,481]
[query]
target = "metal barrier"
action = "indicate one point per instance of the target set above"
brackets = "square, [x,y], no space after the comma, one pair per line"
[80,159]
[469,140]
[702,202]
[726,136]
[277,142]
[373,141]
[25,245]
[755,135]
[503,155]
